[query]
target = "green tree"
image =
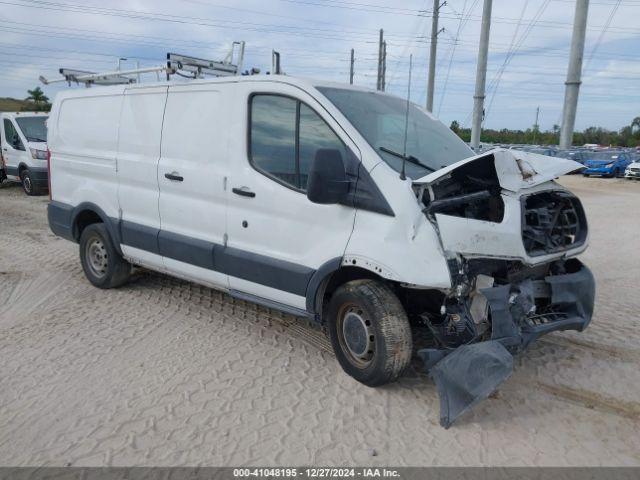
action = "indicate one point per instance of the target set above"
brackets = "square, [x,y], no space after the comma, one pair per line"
[37,96]
[39,100]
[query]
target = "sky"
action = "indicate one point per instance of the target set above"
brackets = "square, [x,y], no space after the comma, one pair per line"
[527,66]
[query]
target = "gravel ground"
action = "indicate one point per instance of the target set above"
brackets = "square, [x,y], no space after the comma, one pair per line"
[164,372]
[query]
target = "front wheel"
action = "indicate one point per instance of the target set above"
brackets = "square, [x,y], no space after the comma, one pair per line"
[27,183]
[102,264]
[369,331]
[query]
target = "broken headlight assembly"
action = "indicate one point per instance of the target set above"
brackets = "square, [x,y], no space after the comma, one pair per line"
[552,221]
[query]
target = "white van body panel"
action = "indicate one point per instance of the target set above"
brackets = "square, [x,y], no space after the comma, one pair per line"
[83,133]
[138,154]
[195,146]
[403,248]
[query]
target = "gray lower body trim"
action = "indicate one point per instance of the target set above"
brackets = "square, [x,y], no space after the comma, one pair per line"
[274,273]
[139,236]
[60,219]
[265,302]
[187,249]
[271,272]
[39,175]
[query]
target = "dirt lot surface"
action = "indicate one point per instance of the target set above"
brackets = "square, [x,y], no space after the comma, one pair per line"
[164,372]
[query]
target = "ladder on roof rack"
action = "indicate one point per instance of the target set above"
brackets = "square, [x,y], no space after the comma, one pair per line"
[182,65]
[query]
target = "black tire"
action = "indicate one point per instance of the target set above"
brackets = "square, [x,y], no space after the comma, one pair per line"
[27,183]
[377,329]
[103,266]
[585,175]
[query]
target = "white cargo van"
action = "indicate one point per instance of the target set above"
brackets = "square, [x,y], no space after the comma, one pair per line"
[23,139]
[340,204]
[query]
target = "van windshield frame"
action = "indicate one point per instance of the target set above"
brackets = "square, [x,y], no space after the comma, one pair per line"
[33,128]
[380,119]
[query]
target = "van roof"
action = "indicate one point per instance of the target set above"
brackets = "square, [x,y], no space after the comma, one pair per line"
[304,83]
[23,114]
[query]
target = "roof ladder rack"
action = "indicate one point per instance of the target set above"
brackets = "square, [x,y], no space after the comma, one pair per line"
[182,65]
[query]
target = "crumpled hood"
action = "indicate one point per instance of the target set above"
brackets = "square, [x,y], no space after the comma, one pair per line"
[516,170]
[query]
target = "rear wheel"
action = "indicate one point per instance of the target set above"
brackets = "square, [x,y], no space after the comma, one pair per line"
[103,266]
[369,331]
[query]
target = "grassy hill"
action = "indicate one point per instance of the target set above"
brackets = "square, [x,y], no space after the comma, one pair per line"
[15,105]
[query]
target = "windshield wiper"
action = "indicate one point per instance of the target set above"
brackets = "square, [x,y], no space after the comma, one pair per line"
[35,139]
[408,158]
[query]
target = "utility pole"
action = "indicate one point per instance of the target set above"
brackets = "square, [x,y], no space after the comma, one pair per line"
[536,126]
[351,69]
[432,54]
[380,42]
[481,75]
[384,66]
[572,85]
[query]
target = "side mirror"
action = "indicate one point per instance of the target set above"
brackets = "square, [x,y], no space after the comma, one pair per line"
[15,142]
[327,183]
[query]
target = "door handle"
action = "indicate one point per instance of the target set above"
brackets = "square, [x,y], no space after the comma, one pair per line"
[243,192]
[174,176]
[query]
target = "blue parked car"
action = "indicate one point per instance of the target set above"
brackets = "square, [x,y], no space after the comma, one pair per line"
[606,164]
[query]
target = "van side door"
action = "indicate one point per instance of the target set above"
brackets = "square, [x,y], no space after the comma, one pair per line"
[137,165]
[278,238]
[192,171]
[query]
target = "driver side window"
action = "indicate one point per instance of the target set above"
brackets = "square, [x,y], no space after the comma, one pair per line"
[11,135]
[284,137]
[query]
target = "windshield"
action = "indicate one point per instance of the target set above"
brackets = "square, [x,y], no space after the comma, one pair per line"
[604,156]
[380,119]
[33,128]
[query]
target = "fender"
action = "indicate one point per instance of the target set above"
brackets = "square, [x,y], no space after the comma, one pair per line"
[313,299]
[63,221]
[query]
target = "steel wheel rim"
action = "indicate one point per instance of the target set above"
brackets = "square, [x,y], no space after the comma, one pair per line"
[97,257]
[356,337]
[26,182]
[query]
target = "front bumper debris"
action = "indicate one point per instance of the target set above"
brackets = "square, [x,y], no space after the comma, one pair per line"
[471,372]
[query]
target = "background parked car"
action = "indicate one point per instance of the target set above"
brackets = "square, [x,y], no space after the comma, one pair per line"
[606,163]
[633,170]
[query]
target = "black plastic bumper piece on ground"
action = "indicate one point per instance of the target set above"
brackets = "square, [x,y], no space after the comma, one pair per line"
[470,373]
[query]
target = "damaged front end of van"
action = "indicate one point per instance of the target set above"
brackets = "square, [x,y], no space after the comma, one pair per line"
[510,235]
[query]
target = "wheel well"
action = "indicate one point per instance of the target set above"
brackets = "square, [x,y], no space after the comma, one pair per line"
[21,168]
[414,301]
[335,280]
[83,220]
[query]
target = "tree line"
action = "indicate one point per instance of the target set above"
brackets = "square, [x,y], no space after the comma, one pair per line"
[628,136]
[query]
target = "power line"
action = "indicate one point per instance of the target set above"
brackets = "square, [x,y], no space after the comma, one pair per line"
[461,25]
[602,33]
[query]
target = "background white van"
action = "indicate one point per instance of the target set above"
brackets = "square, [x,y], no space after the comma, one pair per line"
[23,140]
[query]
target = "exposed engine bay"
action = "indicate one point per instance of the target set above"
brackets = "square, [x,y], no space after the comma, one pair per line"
[508,243]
